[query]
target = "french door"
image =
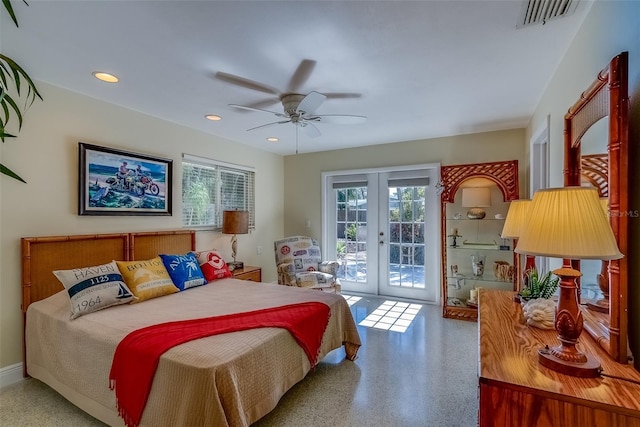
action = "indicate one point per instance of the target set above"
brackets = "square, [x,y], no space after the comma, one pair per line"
[382,226]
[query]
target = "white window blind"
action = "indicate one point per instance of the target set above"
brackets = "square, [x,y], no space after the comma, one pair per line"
[210,187]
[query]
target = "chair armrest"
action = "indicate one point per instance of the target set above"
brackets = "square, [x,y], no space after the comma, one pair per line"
[330,267]
[286,274]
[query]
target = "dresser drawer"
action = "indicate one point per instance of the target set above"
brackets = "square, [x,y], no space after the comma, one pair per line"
[253,274]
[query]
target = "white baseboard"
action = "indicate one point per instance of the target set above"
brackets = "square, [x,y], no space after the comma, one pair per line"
[10,375]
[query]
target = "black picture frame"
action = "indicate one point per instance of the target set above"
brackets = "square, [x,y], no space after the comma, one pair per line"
[118,182]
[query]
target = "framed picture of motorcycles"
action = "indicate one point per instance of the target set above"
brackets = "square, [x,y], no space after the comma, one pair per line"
[117,182]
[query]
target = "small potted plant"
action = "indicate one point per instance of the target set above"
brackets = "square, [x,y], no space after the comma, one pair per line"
[539,286]
[538,308]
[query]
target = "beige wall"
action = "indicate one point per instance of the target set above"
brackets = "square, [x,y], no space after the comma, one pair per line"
[610,27]
[302,187]
[45,155]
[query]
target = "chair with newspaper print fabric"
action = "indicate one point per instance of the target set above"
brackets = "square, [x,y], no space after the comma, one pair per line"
[299,263]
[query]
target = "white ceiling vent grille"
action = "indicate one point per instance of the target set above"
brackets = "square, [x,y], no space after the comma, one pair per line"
[541,11]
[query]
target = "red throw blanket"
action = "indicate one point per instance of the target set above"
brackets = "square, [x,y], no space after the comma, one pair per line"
[137,355]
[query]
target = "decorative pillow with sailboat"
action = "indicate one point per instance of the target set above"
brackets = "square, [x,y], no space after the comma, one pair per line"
[147,279]
[184,270]
[94,288]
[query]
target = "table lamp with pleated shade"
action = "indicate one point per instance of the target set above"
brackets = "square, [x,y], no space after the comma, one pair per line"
[568,223]
[516,220]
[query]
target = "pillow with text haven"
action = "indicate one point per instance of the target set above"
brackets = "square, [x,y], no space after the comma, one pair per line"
[184,270]
[94,288]
[212,265]
[147,278]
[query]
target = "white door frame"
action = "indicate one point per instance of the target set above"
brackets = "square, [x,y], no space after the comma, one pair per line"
[539,171]
[328,219]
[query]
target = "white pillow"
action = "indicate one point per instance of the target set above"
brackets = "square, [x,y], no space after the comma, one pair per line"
[94,288]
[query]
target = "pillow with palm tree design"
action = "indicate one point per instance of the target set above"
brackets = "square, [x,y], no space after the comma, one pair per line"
[184,270]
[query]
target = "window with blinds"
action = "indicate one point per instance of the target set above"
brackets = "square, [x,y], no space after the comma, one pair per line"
[210,187]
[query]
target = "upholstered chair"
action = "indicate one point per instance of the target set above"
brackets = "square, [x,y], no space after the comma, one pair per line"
[300,264]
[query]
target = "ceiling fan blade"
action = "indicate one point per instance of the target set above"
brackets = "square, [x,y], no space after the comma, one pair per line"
[342,95]
[265,103]
[311,130]
[246,107]
[310,103]
[339,119]
[246,83]
[301,75]
[270,124]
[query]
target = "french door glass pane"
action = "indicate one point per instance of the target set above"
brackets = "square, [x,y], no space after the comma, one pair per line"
[351,227]
[406,236]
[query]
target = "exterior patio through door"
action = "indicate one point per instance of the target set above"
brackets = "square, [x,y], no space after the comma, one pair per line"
[382,226]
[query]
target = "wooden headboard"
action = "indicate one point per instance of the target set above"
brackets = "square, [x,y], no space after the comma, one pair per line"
[42,255]
[147,245]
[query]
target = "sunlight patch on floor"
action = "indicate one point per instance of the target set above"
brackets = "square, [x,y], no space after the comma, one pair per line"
[392,316]
[351,299]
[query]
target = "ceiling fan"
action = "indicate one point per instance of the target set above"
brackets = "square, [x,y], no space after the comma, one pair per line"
[297,108]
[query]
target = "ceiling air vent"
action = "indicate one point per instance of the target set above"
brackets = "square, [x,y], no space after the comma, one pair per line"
[541,11]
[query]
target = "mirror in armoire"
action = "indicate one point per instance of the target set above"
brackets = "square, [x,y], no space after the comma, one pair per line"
[594,172]
[596,154]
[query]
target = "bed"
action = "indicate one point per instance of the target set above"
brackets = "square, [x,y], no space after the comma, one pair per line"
[231,379]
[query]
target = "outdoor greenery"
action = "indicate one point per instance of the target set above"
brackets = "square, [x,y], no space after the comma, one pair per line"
[406,222]
[198,183]
[410,206]
[351,232]
[407,216]
[13,77]
[341,249]
[539,286]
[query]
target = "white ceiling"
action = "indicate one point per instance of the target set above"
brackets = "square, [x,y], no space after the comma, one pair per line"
[424,69]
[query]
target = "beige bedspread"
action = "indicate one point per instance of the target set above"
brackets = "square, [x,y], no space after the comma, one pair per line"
[224,380]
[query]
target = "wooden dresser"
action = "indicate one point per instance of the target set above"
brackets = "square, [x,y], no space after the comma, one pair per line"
[517,391]
[249,272]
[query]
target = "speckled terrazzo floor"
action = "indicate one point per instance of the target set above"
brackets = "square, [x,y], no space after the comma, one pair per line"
[426,376]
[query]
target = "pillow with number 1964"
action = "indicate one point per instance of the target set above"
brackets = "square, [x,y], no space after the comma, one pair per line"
[94,288]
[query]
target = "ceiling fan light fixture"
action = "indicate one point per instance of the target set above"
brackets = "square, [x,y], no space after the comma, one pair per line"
[105,77]
[213,117]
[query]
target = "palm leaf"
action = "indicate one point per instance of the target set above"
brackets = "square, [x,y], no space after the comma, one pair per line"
[9,100]
[5,110]
[12,14]
[17,72]
[6,171]
[9,67]
[4,135]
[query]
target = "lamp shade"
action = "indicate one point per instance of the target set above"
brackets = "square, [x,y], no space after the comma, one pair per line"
[516,219]
[604,202]
[476,197]
[235,222]
[568,223]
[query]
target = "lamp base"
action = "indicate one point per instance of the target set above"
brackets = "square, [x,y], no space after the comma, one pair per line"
[235,265]
[566,358]
[590,368]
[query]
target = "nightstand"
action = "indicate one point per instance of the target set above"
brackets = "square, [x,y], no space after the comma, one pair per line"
[250,273]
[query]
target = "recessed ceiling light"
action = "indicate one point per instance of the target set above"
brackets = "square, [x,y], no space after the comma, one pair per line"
[105,77]
[272,139]
[213,117]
